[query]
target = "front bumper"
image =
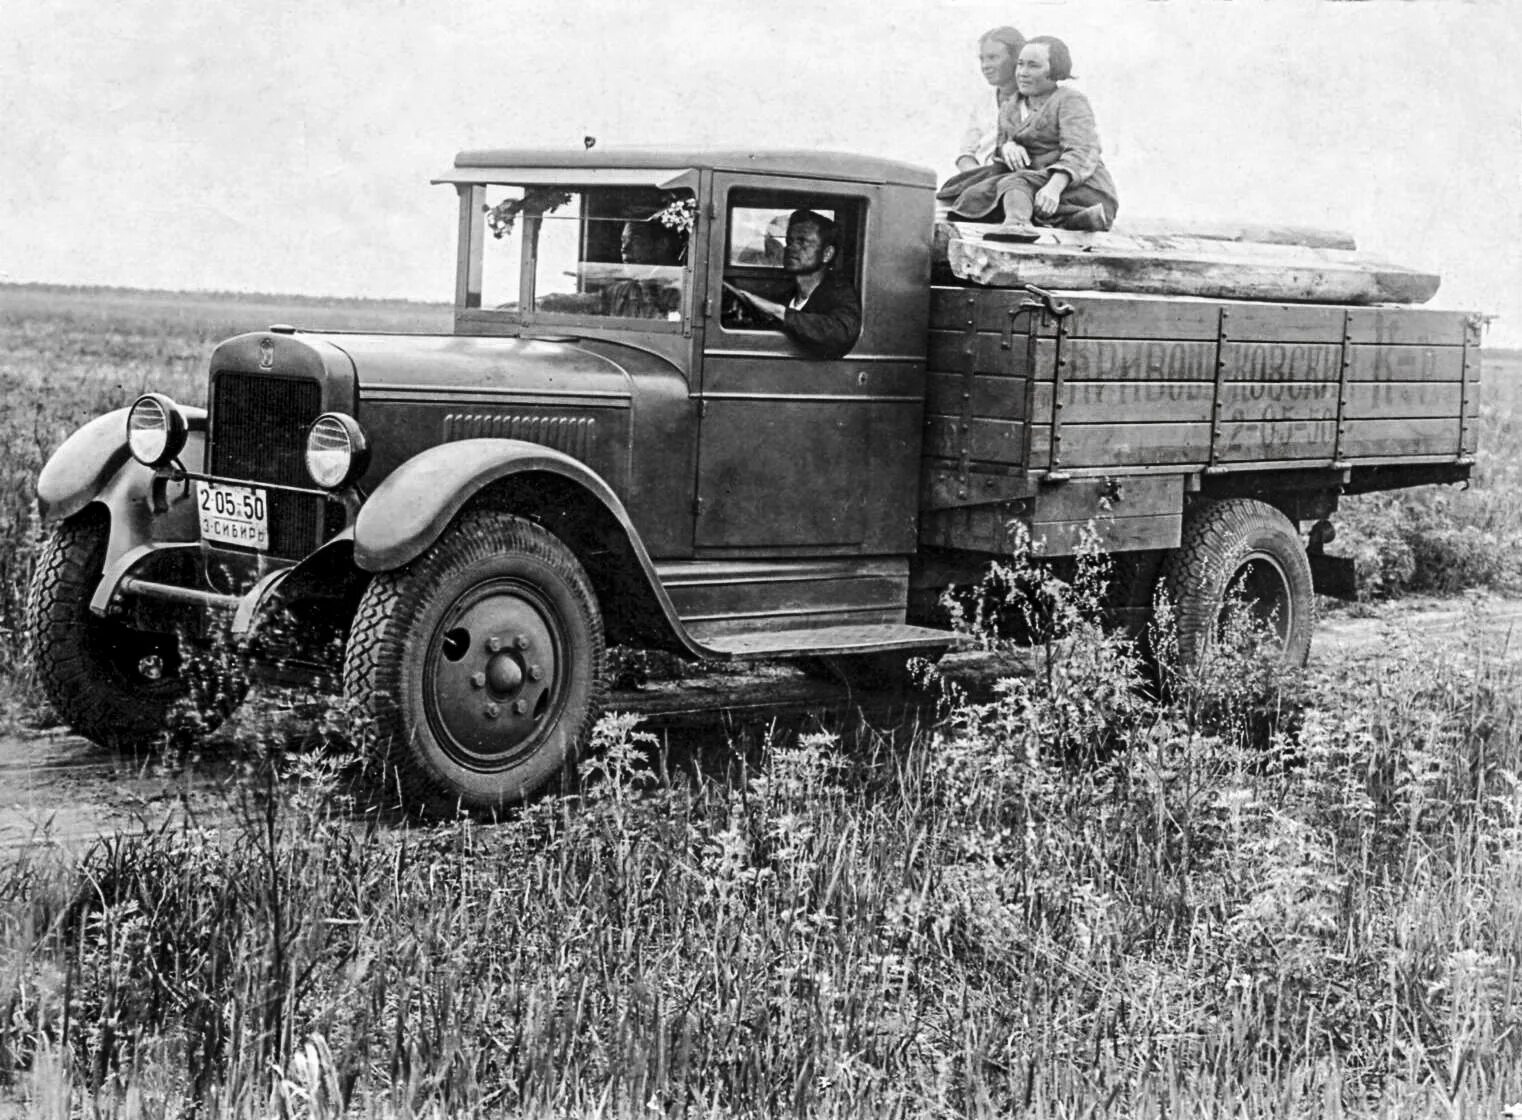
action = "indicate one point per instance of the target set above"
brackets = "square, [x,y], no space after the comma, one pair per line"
[287,619]
[186,586]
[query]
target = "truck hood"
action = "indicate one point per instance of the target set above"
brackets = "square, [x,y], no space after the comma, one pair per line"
[556,371]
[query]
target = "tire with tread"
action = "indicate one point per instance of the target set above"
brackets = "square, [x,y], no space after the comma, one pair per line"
[1246,543]
[114,685]
[478,669]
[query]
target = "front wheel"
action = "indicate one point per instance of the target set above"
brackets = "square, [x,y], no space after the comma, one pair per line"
[479,669]
[110,683]
[1240,547]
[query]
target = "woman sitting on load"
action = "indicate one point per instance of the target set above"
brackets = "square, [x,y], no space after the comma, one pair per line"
[1047,167]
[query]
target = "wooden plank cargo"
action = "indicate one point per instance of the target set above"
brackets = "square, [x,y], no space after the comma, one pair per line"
[1056,410]
[1297,265]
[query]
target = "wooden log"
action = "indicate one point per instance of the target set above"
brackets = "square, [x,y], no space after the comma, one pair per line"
[1311,237]
[1308,236]
[1111,262]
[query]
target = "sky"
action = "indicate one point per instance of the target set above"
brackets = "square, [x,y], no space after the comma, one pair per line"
[277,146]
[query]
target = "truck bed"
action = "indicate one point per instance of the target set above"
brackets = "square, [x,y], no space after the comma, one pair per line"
[1175,392]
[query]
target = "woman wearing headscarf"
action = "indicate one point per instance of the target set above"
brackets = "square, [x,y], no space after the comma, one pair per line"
[1048,166]
[998,50]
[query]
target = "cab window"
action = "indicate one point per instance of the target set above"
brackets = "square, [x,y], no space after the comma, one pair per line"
[756,233]
[609,252]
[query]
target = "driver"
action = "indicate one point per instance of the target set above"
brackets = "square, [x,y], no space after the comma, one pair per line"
[824,314]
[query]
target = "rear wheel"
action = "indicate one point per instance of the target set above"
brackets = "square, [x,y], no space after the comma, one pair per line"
[112,684]
[479,668]
[1244,547]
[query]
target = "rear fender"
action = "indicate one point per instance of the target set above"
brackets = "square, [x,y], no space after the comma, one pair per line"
[413,506]
[94,465]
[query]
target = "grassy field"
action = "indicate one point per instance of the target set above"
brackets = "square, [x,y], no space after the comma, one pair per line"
[1262,896]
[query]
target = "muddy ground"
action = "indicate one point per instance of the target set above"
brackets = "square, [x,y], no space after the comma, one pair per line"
[63,789]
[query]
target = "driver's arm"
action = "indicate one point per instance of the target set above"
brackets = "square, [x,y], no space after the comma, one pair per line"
[770,308]
[830,324]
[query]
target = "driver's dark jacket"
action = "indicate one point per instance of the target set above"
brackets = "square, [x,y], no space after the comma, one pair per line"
[830,322]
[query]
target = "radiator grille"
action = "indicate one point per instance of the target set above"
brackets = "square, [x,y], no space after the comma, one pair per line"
[259,427]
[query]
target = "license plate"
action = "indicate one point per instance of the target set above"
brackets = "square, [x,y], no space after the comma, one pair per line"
[233,514]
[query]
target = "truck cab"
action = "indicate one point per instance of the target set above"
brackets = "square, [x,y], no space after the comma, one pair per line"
[743,446]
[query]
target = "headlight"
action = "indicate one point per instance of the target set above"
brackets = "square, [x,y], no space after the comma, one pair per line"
[156,430]
[337,451]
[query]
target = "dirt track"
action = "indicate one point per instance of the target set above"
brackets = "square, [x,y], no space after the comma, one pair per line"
[57,785]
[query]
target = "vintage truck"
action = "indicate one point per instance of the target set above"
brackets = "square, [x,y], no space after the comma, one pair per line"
[453,528]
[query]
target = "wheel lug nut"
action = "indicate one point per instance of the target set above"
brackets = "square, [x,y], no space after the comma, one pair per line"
[494,643]
[521,642]
[534,672]
[478,680]
[492,710]
[520,706]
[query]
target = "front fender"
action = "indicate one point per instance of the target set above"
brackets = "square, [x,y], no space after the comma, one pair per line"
[79,471]
[94,465]
[418,500]
[415,502]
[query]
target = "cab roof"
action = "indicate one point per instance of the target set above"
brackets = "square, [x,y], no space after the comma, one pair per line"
[800,163]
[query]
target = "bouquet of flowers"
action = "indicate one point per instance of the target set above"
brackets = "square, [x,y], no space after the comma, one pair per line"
[679,214]
[536,200]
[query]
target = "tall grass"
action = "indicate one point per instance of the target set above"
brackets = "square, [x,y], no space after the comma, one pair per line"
[1298,898]
[1447,539]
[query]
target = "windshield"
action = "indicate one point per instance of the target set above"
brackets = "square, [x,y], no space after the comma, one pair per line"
[617,252]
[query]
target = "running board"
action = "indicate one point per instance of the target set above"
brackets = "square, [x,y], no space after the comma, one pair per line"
[830,641]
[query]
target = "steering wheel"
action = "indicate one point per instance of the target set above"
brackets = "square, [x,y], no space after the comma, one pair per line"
[735,312]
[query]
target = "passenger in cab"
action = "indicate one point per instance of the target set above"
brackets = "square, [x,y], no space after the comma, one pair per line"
[646,248]
[1048,168]
[824,314]
[998,51]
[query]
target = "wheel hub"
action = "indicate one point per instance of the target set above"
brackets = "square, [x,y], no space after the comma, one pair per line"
[503,674]
[493,673]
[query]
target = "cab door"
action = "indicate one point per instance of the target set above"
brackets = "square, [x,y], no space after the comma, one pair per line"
[799,453]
